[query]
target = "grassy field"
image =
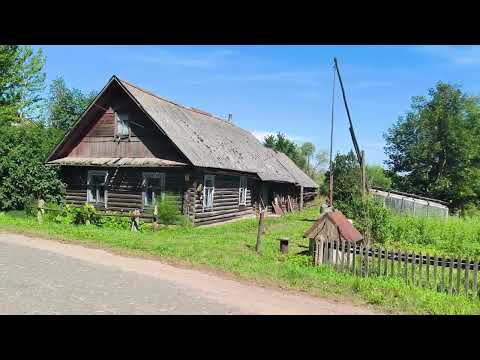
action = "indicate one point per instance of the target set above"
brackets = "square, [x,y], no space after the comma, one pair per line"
[452,237]
[230,248]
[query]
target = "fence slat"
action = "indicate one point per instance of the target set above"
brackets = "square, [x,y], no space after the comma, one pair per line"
[354,257]
[428,272]
[467,282]
[399,261]
[349,249]
[450,277]
[475,279]
[361,262]
[380,254]
[392,263]
[367,252]
[413,269]
[343,255]
[443,273]
[459,275]
[330,256]
[420,270]
[406,267]
[337,258]
[435,265]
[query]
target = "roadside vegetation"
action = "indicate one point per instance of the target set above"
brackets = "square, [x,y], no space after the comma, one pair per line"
[230,248]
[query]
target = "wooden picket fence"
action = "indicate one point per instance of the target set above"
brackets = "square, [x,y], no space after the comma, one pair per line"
[444,274]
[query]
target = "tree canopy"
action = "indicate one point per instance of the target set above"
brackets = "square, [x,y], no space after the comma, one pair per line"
[434,150]
[66,105]
[303,156]
[21,81]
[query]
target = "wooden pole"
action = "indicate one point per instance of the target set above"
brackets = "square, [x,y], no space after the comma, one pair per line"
[136,220]
[331,143]
[40,210]
[364,183]
[260,230]
[301,197]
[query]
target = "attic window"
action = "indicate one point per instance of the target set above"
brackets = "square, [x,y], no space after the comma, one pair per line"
[123,126]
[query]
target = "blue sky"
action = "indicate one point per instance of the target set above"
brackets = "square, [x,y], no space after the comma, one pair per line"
[279,88]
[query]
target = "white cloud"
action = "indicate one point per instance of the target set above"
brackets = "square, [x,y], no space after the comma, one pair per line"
[459,55]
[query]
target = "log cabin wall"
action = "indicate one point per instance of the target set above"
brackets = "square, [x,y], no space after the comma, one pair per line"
[124,187]
[226,205]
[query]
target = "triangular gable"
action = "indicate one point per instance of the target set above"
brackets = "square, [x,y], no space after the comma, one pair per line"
[84,123]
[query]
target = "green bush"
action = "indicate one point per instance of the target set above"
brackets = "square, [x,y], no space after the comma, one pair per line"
[168,211]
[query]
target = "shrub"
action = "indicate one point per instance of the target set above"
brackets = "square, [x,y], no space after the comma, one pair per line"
[168,212]
[87,214]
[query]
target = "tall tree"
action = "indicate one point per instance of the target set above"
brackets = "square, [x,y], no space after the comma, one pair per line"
[66,105]
[434,150]
[308,149]
[377,176]
[21,82]
[281,143]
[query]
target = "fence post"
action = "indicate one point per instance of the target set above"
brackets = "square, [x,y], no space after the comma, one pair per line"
[428,271]
[155,218]
[354,257]
[406,267]
[475,280]
[467,282]
[420,266]
[450,277]
[459,275]
[435,265]
[40,210]
[413,268]
[260,230]
[135,220]
[443,273]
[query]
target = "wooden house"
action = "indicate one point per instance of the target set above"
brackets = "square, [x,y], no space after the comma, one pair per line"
[130,147]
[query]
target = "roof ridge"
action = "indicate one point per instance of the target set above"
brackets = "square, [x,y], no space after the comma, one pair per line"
[190,108]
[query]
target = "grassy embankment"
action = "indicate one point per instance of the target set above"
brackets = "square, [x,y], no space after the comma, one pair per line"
[230,248]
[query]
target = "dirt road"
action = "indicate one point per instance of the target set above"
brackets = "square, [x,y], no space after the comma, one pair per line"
[40,276]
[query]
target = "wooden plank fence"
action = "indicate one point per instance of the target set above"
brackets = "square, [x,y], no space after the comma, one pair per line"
[443,274]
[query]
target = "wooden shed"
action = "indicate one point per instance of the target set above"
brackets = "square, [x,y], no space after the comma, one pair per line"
[332,226]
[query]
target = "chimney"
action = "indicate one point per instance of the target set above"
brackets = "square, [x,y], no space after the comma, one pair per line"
[229,118]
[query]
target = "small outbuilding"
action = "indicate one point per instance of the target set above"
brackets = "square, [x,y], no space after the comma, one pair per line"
[331,226]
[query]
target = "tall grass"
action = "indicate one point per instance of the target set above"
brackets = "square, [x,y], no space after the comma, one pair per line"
[453,236]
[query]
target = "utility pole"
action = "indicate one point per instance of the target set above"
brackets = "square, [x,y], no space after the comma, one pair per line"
[330,202]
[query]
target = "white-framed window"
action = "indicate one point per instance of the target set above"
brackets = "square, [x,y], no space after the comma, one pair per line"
[242,191]
[123,126]
[96,191]
[208,191]
[153,187]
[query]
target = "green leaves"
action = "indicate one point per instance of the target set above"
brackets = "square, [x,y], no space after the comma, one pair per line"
[434,150]
[21,80]
[23,175]
[66,105]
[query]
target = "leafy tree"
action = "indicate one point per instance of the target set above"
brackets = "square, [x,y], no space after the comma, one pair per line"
[434,150]
[66,105]
[346,178]
[21,82]
[23,175]
[281,143]
[376,176]
[308,149]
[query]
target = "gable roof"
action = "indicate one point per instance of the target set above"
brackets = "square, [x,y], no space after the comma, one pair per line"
[346,229]
[211,142]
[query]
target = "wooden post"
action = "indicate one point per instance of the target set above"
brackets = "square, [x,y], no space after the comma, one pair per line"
[459,275]
[155,215]
[40,210]
[260,230]
[301,197]
[136,220]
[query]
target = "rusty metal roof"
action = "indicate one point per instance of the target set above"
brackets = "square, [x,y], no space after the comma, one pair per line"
[347,230]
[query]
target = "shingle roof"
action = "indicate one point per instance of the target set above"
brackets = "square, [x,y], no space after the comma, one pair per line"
[208,141]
